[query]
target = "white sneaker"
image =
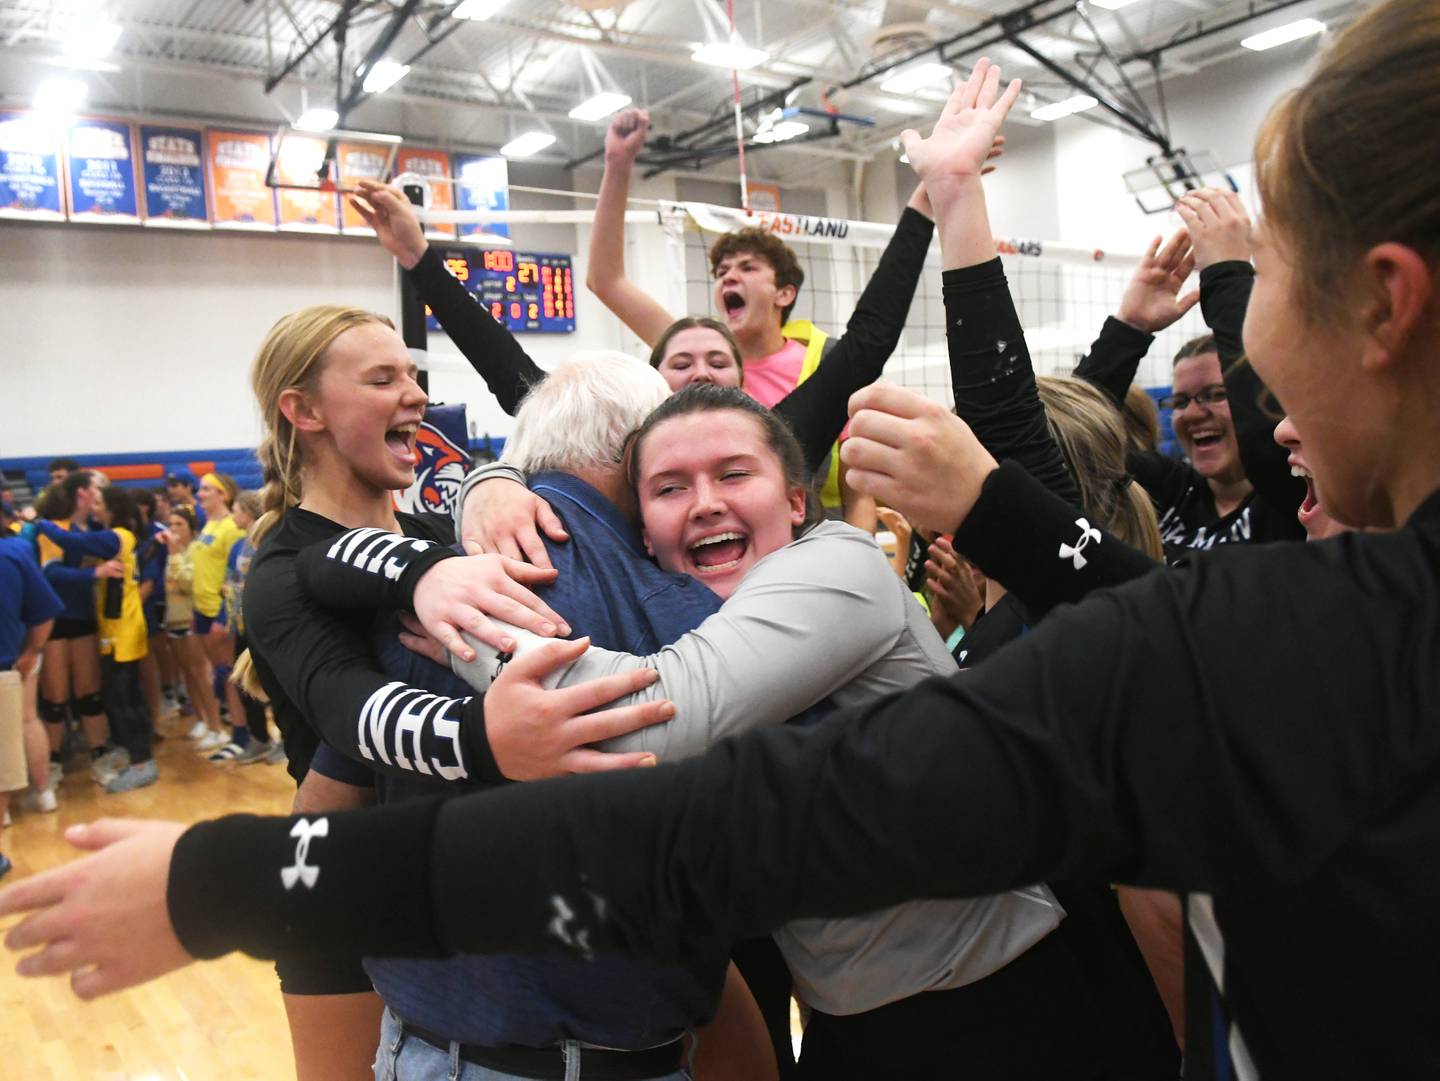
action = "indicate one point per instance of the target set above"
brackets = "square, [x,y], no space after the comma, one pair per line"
[213,741]
[39,801]
[199,730]
[168,705]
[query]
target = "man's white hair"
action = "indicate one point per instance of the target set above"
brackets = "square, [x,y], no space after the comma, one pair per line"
[581,415]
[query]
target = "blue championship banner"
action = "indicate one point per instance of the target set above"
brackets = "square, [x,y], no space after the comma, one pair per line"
[442,446]
[173,161]
[29,168]
[100,169]
[482,184]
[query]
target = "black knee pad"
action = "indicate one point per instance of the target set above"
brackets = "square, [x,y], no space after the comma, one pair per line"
[51,712]
[87,705]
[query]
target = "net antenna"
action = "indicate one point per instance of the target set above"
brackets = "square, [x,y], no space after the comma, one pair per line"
[332,161]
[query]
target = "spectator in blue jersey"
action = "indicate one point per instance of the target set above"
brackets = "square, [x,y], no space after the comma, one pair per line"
[28,607]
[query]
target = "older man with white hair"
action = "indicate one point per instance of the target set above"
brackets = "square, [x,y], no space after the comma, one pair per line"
[539,1016]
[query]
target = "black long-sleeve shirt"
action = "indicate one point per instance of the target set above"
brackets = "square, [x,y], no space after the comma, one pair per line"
[1184,502]
[1207,730]
[320,674]
[816,410]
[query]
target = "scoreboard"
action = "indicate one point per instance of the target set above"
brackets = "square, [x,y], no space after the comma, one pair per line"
[527,292]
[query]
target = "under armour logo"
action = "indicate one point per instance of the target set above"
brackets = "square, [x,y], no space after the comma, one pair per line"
[577,940]
[1076,554]
[300,871]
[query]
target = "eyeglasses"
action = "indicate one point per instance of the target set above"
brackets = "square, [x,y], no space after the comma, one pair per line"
[1206,396]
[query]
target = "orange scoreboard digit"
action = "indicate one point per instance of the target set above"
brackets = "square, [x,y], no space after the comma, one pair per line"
[530,292]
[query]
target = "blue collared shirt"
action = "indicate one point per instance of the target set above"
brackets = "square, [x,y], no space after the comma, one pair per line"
[610,590]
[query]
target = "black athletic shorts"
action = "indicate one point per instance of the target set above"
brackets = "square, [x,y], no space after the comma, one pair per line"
[73,628]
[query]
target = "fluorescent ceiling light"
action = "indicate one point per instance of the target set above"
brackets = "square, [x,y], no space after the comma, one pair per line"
[87,40]
[384,74]
[725,54]
[531,142]
[1281,35]
[317,120]
[1079,103]
[912,79]
[1110,5]
[600,106]
[477,10]
[786,129]
[60,96]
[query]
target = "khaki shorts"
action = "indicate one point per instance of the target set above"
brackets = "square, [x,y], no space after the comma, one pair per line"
[12,733]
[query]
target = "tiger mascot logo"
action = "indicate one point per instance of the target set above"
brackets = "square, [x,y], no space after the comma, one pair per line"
[443,463]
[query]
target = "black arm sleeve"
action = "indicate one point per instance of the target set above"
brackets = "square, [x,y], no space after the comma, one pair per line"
[994,381]
[1099,743]
[490,348]
[1040,548]
[316,873]
[1114,358]
[1224,295]
[818,408]
[364,570]
[323,665]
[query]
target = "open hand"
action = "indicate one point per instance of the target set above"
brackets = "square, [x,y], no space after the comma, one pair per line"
[103,919]
[1218,225]
[965,135]
[392,216]
[535,732]
[507,518]
[1152,298]
[463,594]
[913,454]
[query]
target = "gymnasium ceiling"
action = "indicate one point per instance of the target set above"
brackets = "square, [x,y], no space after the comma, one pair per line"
[534,60]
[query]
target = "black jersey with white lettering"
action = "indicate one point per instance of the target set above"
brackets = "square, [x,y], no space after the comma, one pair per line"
[319,671]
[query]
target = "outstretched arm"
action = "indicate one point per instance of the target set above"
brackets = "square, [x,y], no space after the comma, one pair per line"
[491,349]
[816,409]
[605,274]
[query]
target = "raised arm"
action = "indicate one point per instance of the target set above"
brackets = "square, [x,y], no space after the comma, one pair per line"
[768,654]
[816,409]
[990,367]
[1151,302]
[491,349]
[605,273]
[1221,231]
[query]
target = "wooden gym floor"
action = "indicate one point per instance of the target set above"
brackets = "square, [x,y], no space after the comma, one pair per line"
[220,1021]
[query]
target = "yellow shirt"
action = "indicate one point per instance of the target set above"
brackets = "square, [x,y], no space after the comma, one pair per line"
[212,553]
[125,636]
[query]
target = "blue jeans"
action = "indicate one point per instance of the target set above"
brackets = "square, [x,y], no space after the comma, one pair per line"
[406,1058]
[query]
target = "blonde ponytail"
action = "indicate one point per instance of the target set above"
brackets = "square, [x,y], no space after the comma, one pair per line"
[291,357]
[1092,440]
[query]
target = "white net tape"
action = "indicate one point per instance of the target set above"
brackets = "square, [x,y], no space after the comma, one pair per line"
[1063,293]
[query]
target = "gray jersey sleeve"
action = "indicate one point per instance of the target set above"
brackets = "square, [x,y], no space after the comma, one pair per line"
[773,650]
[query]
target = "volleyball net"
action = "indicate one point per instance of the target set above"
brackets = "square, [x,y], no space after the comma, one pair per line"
[1063,293]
